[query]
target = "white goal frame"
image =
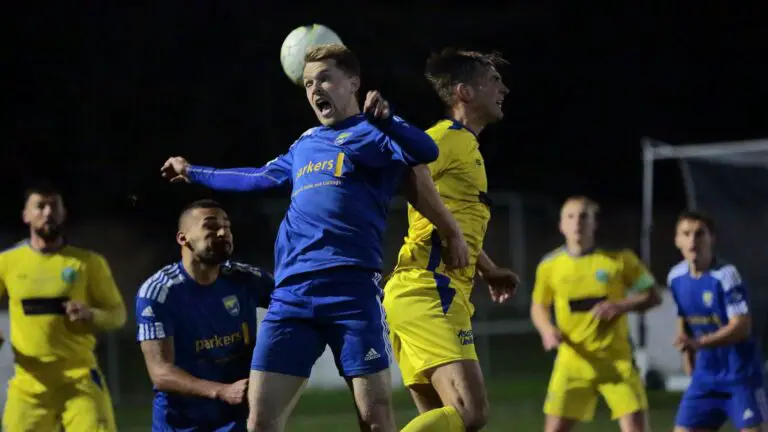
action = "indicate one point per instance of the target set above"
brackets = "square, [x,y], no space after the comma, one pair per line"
[730,153]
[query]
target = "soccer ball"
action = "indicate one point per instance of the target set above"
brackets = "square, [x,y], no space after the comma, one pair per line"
[296,44]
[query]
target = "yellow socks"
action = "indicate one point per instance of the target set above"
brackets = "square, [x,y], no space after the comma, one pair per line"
[445,419]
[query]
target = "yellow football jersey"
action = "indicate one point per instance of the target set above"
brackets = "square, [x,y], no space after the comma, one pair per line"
[459,174]
[37,285]
[575,284]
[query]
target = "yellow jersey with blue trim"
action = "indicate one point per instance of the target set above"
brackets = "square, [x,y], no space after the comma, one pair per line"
[37,285]
[459,175]
[575,284]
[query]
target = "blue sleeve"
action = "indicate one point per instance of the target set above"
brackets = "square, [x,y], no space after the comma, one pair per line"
[396,140]
[152,319]
[275,173]
[677,302]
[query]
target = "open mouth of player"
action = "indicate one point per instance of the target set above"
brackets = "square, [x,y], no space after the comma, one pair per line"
[499,103]
[323,106]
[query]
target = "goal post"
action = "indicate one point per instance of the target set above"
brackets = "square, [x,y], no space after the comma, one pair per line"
[729,181]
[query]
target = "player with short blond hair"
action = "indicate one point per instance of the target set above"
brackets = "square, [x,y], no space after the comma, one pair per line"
[427,300]
[328,252]
[59,297]
[591,289]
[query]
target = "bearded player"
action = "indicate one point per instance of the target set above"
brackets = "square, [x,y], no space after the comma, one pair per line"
[196,323]
[715,336]
[592,289]
[59,296]
[428,302]
[328,253]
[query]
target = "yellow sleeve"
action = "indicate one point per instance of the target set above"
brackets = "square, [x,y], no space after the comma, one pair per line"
[446,159]
[636,275]
[3,288]
[107,303]
[543,293]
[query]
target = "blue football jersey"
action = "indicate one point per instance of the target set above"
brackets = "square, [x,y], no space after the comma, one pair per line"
[213,329]
[706,304]
[343,178]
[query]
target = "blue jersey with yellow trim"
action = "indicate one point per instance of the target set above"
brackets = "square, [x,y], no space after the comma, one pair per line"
[213,329]
[707,303]
[344,177]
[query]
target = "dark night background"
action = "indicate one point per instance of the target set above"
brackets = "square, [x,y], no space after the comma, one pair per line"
[99,94]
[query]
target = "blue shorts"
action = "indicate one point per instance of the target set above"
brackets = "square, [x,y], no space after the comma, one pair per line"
[165,419]
[339,307]
[707,407]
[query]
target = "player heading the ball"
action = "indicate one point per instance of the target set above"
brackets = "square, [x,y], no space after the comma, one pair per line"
[591,289]
[328,252]
[714,335]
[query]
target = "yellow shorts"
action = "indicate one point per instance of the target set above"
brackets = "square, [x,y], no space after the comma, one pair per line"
[423,335]
[576,382]
[81,405]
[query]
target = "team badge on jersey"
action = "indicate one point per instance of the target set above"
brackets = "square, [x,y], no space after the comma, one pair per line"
[68,275]
[232,305]
[707,298]
[342,138]
[601,276]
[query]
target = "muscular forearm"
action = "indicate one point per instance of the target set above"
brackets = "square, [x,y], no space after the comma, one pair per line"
[108,319]
[169,378]
[541,318]
[423,196]
[484,263]
[735,331]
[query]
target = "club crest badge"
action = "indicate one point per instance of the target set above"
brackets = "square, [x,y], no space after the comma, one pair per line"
[232,305]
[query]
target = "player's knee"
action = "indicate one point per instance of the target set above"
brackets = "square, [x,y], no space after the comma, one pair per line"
[558,424]
[473,411]
[262,424]
[377,414]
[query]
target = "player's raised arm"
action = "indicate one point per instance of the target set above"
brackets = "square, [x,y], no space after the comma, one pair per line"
[275,173]
[413,145]
[155,334]
[107,308]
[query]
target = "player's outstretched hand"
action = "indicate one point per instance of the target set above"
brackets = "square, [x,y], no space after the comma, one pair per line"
[455,255]
[376,106]
[176,170]
[607,310]
[502,283]
[551,339]
[235,393]
[77,311]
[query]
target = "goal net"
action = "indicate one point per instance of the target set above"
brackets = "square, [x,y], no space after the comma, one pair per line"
[728,181]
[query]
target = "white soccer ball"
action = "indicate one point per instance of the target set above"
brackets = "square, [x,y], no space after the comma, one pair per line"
[296,44]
